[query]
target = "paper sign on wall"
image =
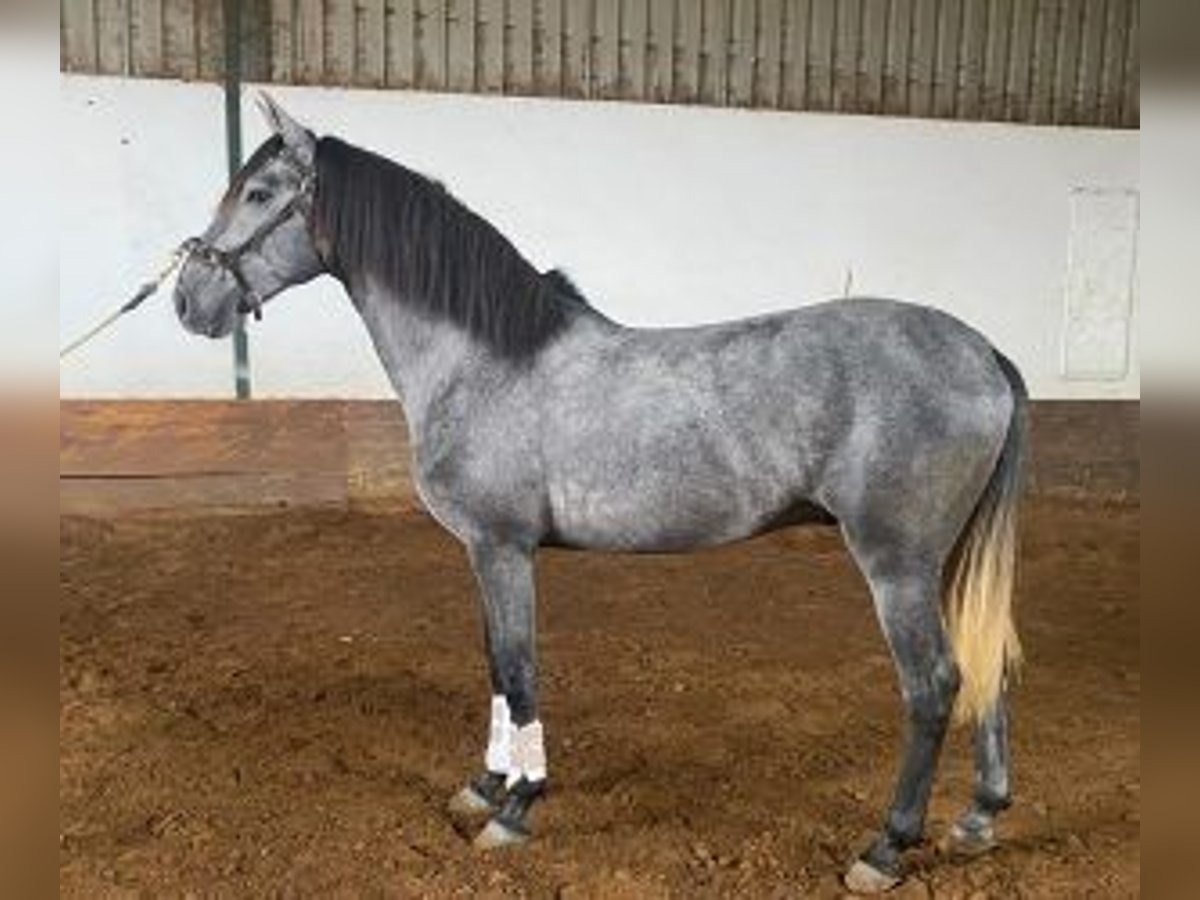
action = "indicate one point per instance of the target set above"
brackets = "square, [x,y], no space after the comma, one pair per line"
[1099,286]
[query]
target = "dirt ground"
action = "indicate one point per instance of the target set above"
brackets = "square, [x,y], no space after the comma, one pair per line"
[281,704]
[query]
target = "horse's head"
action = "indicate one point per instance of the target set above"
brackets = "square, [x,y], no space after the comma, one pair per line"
[259,241]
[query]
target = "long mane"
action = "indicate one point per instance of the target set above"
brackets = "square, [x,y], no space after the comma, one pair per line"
[376,218]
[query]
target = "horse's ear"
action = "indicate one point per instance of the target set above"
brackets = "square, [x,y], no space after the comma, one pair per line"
[295,136]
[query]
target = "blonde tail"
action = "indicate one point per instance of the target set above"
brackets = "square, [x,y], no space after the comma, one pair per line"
[979,594]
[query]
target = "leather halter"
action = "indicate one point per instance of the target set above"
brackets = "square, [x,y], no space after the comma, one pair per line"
[230,260]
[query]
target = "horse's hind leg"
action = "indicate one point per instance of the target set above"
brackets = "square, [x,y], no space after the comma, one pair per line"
[515,775]
[907,600]
[974,832]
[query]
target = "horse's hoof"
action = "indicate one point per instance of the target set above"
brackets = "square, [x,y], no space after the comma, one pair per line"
[864,878]
[496,835]
[469,802]
[964,840]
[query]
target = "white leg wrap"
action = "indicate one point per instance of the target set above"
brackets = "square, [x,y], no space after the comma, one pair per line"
[498,757]
[528,753]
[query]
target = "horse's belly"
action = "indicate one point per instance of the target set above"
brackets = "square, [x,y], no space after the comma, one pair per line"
[649,518]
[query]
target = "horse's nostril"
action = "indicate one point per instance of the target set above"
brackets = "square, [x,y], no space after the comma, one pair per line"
[181,303]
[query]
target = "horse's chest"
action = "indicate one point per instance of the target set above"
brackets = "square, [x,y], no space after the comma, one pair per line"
[472,490]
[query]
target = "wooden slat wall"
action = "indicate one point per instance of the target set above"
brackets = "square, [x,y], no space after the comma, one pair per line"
[1067,62]
[77,36]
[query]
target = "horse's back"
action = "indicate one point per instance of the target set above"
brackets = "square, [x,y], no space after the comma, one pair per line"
[669,438]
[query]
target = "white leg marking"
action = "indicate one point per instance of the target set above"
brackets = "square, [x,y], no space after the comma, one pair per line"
[498,757]
[528,754]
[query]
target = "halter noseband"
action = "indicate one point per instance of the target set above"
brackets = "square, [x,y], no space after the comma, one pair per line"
[230,260]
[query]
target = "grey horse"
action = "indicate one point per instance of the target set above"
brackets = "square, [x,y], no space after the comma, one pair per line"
[535,420]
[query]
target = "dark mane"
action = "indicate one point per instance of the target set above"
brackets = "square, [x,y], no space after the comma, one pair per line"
[374,217]
[561,282]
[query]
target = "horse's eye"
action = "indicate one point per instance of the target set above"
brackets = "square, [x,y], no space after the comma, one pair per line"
[258,196]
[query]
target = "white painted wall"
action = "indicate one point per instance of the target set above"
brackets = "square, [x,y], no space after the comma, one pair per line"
[662,214]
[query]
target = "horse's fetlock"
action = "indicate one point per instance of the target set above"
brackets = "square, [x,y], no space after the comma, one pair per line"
[904,831]
[884,856]
[529,789]
[991,801]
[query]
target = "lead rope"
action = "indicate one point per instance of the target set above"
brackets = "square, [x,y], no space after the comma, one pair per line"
[144,292]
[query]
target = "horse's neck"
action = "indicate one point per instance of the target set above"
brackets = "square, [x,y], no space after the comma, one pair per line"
[424,358]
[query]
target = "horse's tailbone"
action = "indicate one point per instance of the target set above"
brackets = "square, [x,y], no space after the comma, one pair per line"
[979,596]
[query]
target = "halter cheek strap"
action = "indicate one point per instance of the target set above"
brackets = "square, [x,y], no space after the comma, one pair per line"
[230,260]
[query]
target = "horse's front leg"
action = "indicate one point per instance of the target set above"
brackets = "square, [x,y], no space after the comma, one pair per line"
[515,759]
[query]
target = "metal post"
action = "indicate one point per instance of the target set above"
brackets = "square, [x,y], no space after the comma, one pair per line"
[233,143]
